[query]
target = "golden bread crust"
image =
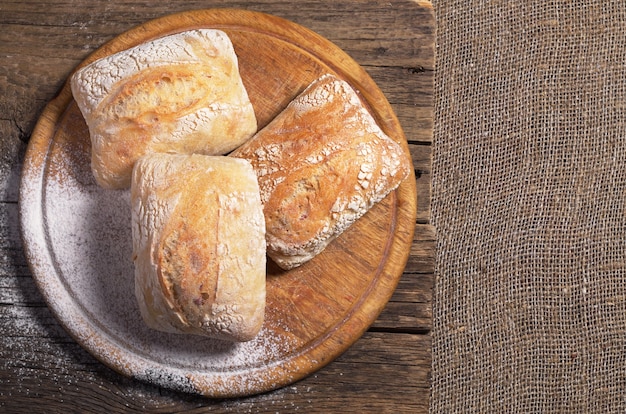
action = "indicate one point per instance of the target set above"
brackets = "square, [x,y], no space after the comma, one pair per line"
[322,163]
[178,94]
[199,245]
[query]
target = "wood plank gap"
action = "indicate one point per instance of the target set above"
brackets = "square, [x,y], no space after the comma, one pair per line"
[410,331]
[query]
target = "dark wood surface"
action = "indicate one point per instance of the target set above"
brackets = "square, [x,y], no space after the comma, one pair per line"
[43,370]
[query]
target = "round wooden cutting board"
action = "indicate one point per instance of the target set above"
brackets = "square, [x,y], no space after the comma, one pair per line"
[78,240]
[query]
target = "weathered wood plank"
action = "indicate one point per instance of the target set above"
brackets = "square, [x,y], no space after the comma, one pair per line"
[410,94]
[405,317]
[421,155]
[393,40]
[379,33]
[380,373]
[387,370]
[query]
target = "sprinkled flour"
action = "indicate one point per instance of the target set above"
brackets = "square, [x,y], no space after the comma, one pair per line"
[89,234]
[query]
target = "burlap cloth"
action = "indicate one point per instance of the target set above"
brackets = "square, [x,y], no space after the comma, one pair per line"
[529,202]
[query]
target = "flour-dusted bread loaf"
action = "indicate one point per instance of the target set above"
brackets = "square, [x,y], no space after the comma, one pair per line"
[199,245]
[177,94]
[322,163]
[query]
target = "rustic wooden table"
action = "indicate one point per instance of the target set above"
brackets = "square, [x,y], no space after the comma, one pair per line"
[43,370]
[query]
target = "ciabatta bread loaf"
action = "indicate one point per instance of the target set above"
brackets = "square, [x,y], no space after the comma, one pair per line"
[322,163]
[178,94]
[199,245]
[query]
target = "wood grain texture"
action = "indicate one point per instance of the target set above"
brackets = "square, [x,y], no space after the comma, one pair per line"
[385,371]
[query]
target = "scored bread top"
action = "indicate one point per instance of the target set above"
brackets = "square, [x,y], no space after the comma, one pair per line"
[199,245]
[322,163]
[178,94]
